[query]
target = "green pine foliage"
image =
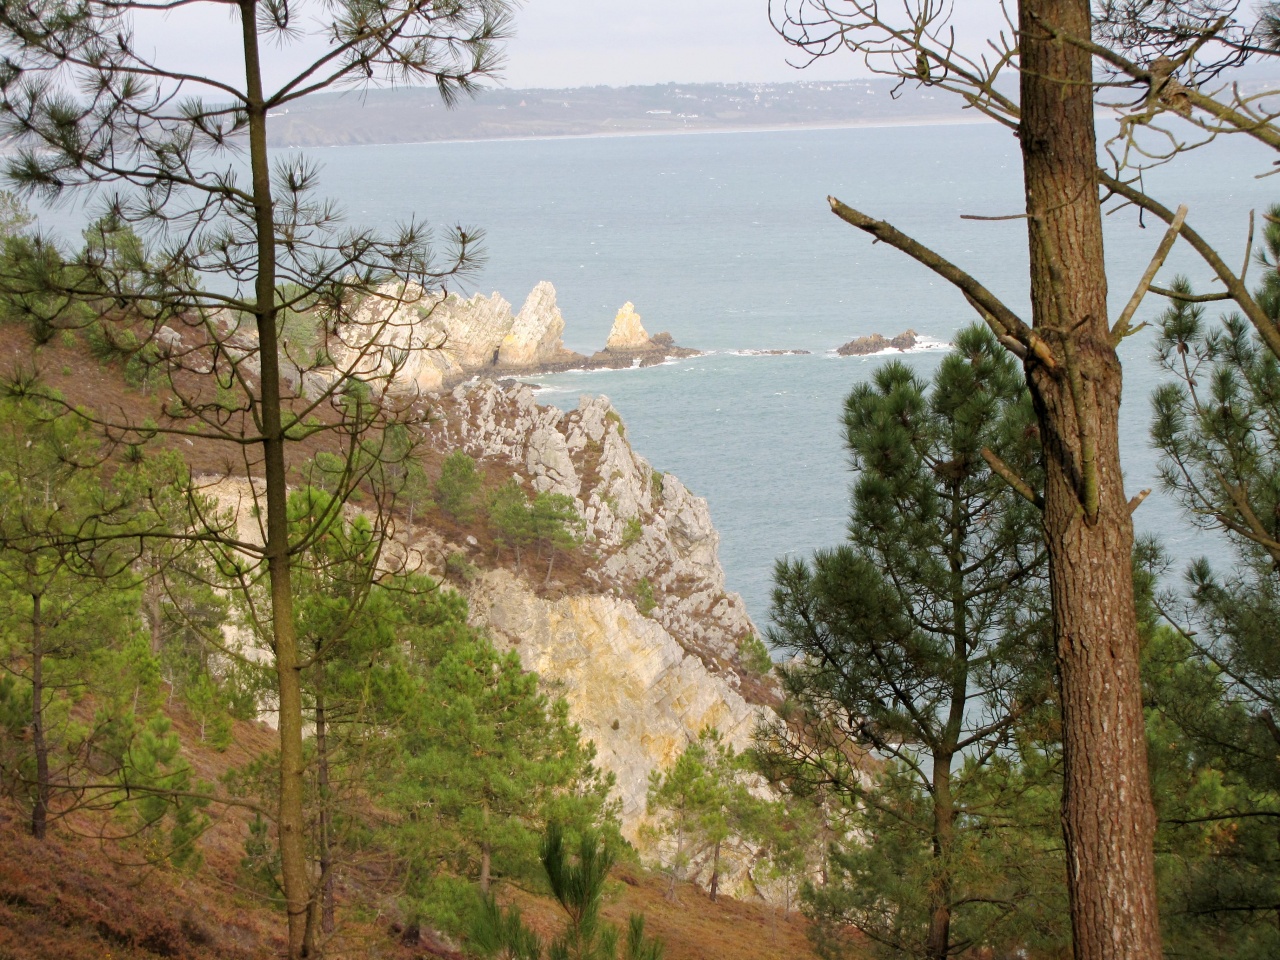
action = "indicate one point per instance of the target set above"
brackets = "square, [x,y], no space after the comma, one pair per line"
[511,518]
[557,526]
[646,602]
[550,522]
[68,607]
[491,759]
[755,654]
[458,487]
[577,875]
[1212,668]
[632,531]
[83,696]
[702,801]
[924,642]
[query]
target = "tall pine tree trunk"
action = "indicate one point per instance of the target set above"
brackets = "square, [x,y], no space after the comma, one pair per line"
[715,873]
[326,807]
[1108,818]
[290,822]
[938,938]
[39,744]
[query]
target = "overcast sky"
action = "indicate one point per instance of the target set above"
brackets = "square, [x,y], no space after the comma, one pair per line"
[570,43]
[583,42]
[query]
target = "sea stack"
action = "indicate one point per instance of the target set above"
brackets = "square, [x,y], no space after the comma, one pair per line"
[628,333]
[629,344]
[535,336]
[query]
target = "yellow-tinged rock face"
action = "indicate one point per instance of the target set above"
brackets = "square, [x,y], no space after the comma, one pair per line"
[628,332]
[635,691]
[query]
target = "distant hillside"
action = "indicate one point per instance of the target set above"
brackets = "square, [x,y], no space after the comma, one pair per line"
[418,115]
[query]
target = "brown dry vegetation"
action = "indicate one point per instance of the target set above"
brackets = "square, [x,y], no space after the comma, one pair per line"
[77,897]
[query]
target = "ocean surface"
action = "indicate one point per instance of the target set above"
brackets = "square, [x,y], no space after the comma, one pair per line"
[726,241]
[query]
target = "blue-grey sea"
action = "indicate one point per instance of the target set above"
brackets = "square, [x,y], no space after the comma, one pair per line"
[726,241]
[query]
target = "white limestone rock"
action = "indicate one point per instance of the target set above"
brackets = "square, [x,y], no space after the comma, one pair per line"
[628,333]
[677,547]
[535,337]
[406,338]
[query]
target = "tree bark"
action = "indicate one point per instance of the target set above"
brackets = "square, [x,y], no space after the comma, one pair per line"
[715,873]
[40,810]
[290,822]
[938,937]
[1108,818]
[486,856]
[327,909]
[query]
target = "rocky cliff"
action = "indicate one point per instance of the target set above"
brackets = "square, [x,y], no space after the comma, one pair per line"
[634,690]
[648,655]
[645,648]
[645,528]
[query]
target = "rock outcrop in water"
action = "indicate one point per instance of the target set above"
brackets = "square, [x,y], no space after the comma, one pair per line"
[629,344]
[427,342]
[875,343]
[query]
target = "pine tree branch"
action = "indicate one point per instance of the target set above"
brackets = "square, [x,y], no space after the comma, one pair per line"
[1189,297]
[1136,501]
[1121,328]
[1010,476]
[1236,289]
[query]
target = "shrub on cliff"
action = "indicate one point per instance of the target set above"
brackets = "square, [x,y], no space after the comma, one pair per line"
[510,518]
[458,486]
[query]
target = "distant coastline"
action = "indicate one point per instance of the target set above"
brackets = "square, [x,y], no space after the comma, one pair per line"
[417,116]
[940,121]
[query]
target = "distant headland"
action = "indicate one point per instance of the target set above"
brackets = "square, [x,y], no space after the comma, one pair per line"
[417,115]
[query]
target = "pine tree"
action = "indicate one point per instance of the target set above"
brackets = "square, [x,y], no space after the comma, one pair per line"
[227,255]
[556,525]
[458,486]
[65,607]
[1213,679]
[1157,69]
[487,754]
[923,641]
[702,801]
[578,884]
[511,518]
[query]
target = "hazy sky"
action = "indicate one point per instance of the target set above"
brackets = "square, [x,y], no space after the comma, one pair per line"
[583,42]
[568,43]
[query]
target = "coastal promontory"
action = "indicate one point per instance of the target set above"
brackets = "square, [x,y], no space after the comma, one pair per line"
[429,341]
